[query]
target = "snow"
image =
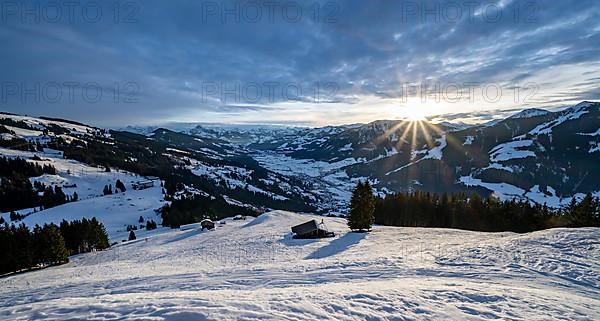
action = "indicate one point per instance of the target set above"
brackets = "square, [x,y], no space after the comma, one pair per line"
[228,175]
[596,133]
[510,150]
[503,191]
[114,211]
[175,150]
[469,140]
[254,271]
[24,133]
[347,147]
[500,167]
[40,124]
[572,113]
[90,180]
[594,145]
[529,113]
[507,192]
[388,153]
[434,153]
[550,198]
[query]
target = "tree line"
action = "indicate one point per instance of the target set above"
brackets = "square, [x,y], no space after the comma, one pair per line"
[16,191]
[422,209]
[196,208]
[23,249]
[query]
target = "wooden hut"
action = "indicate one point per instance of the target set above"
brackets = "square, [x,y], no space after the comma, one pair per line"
[207,224]
[311,230]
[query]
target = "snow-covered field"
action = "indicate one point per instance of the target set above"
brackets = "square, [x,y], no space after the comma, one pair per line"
[114,211]
[253,270]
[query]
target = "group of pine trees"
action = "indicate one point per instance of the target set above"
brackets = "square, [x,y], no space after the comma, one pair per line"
[11,167]
[16,190]
[84,235]
[583,214]
[43,197]
[17,142]
[421,209]
[150,224]
[198,207]
[119,187]
[23,249]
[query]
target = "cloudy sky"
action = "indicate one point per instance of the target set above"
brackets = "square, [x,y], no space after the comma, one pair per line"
[300,63]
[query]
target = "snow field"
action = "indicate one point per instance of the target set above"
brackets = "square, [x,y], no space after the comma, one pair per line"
[254,270]
[115,211]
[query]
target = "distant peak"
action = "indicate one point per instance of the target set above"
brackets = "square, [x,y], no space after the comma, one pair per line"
[585,104]
[529,113]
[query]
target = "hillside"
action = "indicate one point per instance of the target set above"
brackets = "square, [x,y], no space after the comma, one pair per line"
[535,155]
[253,270]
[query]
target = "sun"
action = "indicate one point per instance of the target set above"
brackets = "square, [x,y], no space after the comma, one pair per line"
[414,114]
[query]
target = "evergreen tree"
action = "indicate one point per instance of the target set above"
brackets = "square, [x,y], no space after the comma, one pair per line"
[132,235]
[23,254]
[141,220]
[362,207]
[151,225]
[6,249]
[585,213]
[120,186]
[51,247]
[107,190]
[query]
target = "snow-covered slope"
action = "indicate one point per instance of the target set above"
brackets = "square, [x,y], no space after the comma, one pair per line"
[40,124]
[253,270]
[114,211]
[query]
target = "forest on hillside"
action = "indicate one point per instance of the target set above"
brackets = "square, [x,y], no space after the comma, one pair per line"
[24,249]
[420,209]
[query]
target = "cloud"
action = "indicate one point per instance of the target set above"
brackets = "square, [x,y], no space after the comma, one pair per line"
[366,48]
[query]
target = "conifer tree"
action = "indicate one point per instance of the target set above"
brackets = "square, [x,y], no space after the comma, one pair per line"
[50,245]
[585,213]
[132,235]
[362,207]
[120,186]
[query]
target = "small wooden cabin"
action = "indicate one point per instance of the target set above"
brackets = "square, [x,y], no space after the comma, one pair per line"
[142,185]
[311,230]
[207,224]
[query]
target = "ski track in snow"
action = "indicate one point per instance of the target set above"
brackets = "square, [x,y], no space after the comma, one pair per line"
[253,270]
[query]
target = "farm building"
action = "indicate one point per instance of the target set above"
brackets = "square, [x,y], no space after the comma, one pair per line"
[207,224]
[142,185]
[311,230]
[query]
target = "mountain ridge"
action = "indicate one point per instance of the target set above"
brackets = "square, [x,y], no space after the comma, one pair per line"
[533,155]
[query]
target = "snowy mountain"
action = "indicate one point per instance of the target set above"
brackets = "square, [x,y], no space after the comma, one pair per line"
[529,113]
[254,270]
[535,155]
[87,160]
